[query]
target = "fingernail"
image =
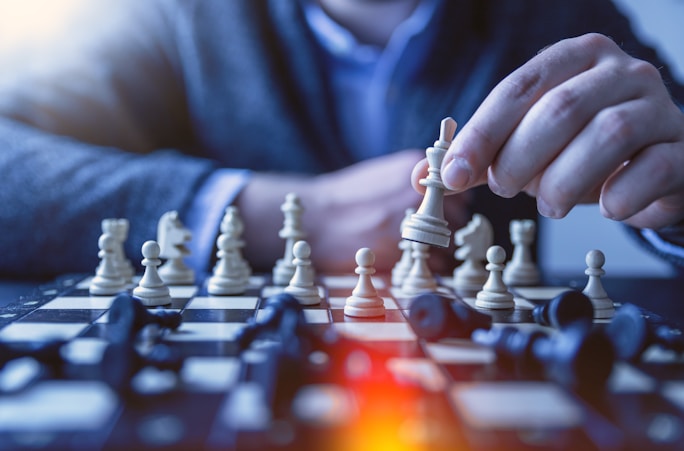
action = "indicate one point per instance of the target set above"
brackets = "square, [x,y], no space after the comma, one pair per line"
[545,209]
[456,174]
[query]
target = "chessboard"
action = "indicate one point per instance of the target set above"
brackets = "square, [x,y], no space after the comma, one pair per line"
[68,380]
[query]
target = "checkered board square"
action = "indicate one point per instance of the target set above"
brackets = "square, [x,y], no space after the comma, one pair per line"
[450,394]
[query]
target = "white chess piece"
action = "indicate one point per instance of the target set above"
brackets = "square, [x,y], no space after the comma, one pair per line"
[428,225]
[419,279]
[364,301]
[291,232]
[228,277]
[473,240]
[494,293]
[108,279]
[521,270]
[151,289]
[232,224]
[302,285]
[118,228]
[403,266]
[172,236]
[603,305]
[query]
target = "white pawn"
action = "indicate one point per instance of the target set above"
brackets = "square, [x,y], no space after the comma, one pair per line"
[419,279]
[495,294]
[403,266]
[603,305]
[302,284]
[229,276]
[291,232]
[151,289]
[521,270]
[364,301]
[108,279]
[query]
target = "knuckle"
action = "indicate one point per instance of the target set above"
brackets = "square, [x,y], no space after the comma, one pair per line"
[597,41]
[616,128]
[522,85]
[561,104]
[643,70]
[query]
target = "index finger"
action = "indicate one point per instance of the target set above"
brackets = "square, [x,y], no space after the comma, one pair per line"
[475,148]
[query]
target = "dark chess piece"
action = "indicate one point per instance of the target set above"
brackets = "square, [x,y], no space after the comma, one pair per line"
[578,357]
[270,323]
[47,353]
[128,316]
[434,317]
[631,333]
[564,309]
[121,361]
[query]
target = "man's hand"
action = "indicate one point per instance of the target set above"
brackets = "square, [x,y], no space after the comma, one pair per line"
[359,206]
[580,122]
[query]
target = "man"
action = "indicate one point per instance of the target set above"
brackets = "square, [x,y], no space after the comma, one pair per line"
[189,106]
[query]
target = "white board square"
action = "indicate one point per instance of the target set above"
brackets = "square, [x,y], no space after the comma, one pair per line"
[376,331]
[41,331]
[222,302]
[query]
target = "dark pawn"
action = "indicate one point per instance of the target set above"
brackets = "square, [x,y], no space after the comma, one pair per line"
[513,347]
[128,316]
[434,317]
[271,321]
[631,334]
[47,353]
[121,361]
[579,357]
[566,308]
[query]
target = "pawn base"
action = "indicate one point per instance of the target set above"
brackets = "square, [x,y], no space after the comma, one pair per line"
[494,301]
[305,295]
[364,307]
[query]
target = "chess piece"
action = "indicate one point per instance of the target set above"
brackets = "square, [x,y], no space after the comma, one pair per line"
[434,317]
[48,353]
[172,236]
[428,225]
[291,232]
[107,278]
[118,228]
[403,266]
[302,285]
[419,279]
[579,357]
[127,316]
[567,308]
[267,325]
[121,361]
[364,301]
[232,224]
[521,270]
[494,293]
[229,276]
[473,240]
[631,334]
[151,289]
[603,305]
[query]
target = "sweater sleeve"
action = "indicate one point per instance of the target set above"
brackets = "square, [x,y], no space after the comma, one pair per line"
[92,125]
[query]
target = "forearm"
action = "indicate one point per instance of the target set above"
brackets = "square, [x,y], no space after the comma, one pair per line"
[57,190]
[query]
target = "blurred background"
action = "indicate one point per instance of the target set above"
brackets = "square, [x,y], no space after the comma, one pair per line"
[564,242]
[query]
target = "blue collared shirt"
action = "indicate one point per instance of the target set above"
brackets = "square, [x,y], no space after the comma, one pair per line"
[363,79]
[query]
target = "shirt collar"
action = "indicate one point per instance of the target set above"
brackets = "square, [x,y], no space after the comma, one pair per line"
[342,44]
